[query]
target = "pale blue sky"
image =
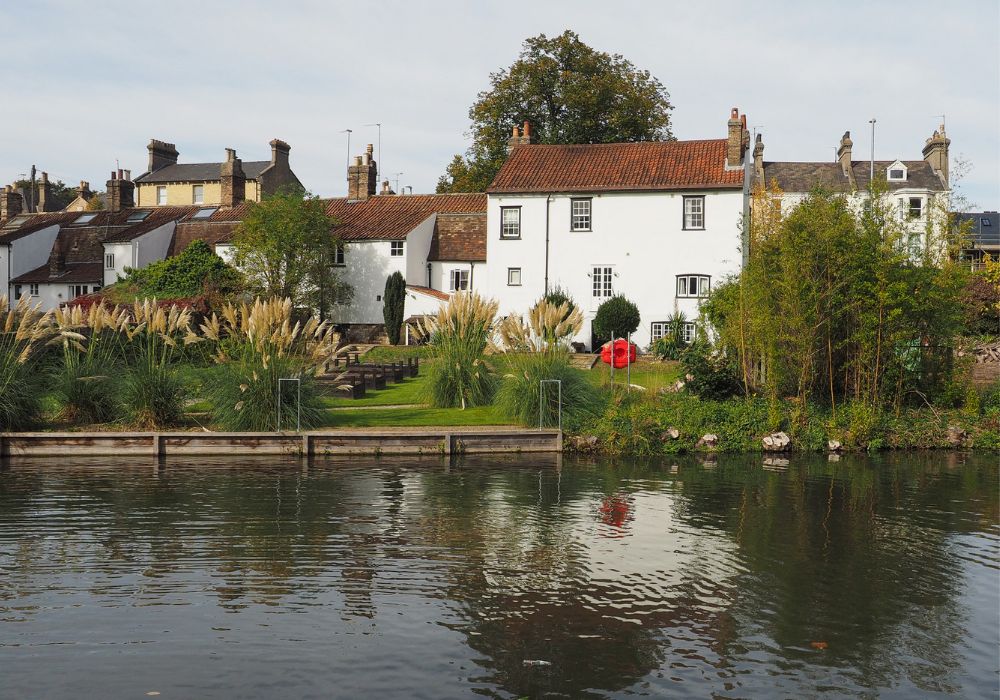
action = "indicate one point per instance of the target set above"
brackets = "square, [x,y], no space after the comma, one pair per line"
[90,83]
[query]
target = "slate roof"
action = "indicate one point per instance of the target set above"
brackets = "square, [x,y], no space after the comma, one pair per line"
[200,172]
[72,273]
[650,165]
[984,229]
[459,238]
[392,217]
[793,176]
[157,217]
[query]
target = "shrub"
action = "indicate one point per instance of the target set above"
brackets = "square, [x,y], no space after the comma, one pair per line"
[671,345]
[258,345]
[153,394]
[84,381]
[520,396]
[712,375]
[617,316]
[460,332]
[195,271]
[548,326]
[394,302]
[22,336]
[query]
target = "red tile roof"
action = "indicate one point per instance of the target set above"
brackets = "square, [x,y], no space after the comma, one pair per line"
[459,237]
[391,217]
[436,293]
[610,167]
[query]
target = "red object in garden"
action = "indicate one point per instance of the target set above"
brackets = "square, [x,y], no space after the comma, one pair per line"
[618,354]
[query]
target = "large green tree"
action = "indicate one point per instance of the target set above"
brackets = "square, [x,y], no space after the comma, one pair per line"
[570,93]
[286,246]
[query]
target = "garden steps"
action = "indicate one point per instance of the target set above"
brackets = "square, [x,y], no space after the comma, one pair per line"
[582,360]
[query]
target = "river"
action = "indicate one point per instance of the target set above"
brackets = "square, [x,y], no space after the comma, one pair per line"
[503,577]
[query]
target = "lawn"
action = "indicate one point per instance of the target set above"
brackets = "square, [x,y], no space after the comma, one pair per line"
[652,374]
[390,417]
[409,391]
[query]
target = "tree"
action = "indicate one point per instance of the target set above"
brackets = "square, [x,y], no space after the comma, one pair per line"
[570,93]
[394,300]
[286,247]
[617,316]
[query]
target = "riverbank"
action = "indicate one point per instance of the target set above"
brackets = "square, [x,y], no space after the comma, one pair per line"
[638,423]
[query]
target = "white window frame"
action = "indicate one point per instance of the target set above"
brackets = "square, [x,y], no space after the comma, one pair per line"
[513,272]
[694,216]
[581,214]
[896,167]
[702,286]
[510,229]
[688,332]
[33,289]
[161,195]
[396,249]
[458,280]
[109,261]
[658,329]
[197,194]
[602,281]
[339,258]
[915,212]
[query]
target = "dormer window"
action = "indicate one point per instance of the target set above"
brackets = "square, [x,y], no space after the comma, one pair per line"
[896,172]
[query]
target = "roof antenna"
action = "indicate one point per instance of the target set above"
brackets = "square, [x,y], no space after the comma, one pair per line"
[395,177]
[942,119]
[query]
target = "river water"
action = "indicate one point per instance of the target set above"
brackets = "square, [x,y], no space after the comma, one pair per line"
[735,577]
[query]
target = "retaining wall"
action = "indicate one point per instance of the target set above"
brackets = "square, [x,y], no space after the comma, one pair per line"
[337,442]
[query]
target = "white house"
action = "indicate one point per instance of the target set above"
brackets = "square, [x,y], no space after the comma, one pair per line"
[916,189]
[657,222]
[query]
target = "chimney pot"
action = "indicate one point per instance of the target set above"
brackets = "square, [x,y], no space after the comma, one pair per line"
[527,129]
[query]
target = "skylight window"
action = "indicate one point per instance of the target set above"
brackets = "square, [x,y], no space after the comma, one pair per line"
[204,213]
[18,220]
[85,219]
[984,221]
[137,216]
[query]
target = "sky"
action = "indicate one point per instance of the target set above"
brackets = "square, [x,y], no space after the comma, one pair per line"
[89,84]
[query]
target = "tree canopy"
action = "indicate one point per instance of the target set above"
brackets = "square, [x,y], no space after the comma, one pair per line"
[569,93]
[286,247]
[196,271]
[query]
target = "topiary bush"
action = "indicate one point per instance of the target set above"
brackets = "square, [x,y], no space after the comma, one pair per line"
[617,316]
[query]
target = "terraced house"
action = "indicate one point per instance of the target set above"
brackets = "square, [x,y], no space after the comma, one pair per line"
[169,183]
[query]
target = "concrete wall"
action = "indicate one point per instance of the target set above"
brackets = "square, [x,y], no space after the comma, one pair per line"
[638,234]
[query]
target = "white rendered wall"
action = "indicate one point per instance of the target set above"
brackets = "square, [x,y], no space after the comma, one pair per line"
[123,259]
[23,255]
[415,251]
[639,234]
[153,245]
[441,275]
[368,264]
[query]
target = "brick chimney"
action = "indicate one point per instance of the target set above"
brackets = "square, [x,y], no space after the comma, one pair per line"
[362,176]
[936,153]
[161,154]
[45,202]
[758,160]
[385,188]
[11,203]
[738,139]
[279,152]
[519,137]
[57,258]
[233,180]
[844,153]
[121,192]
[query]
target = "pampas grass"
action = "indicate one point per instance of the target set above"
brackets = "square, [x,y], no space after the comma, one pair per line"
[460,332]
[23,335]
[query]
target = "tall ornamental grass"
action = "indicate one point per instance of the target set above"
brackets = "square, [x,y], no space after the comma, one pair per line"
[257,345]
[23,335]
[152,391]
[460,332]
[533,350]
[85,382]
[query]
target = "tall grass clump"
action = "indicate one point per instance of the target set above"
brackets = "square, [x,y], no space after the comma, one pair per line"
[535,349]
[459,333]
[91,341]
[257,345]
[152,390]
[22,338]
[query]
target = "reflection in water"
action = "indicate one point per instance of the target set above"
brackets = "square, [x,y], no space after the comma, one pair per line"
[738,577]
